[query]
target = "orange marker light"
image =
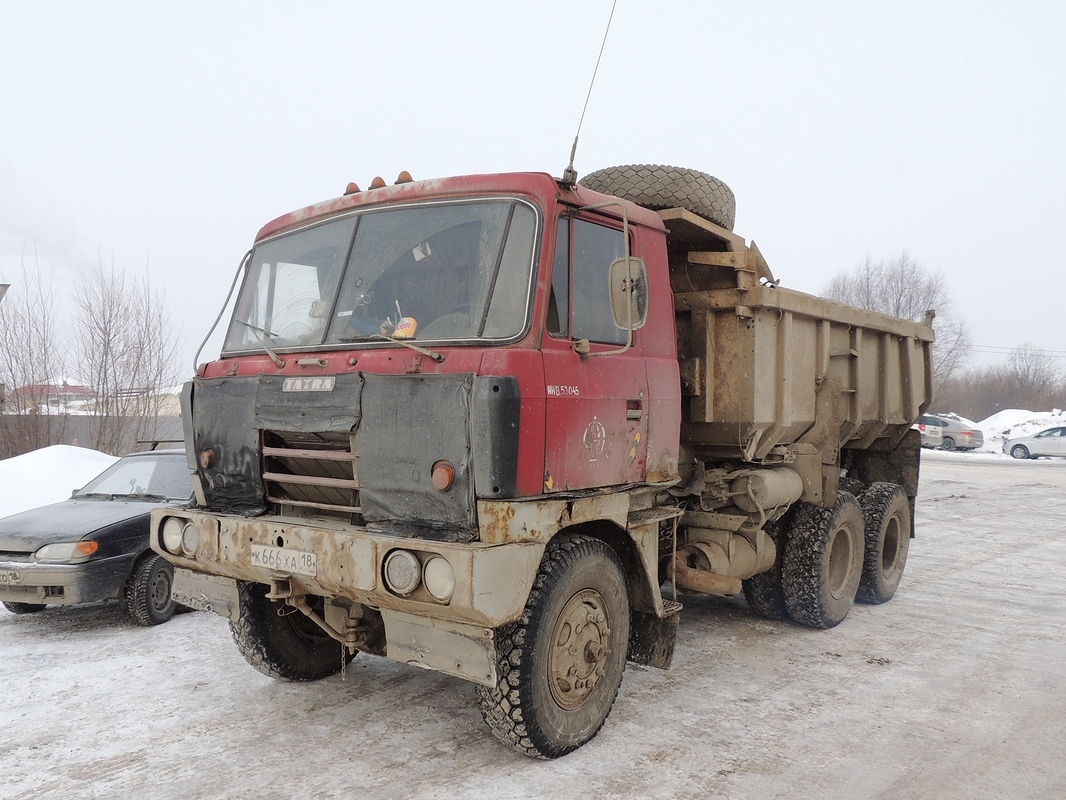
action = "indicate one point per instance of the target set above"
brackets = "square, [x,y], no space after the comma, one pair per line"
[377,183]
[443,475]
[404,177]
[353,188]
[85,549]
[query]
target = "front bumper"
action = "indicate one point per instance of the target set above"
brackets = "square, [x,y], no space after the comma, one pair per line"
[64,584]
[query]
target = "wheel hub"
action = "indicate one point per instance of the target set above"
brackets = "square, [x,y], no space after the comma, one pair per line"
[580,645]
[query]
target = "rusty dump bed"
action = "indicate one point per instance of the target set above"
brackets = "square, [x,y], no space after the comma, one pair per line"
[763,366]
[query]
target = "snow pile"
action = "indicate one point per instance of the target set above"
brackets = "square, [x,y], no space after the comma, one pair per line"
[1013,422]
[47,476]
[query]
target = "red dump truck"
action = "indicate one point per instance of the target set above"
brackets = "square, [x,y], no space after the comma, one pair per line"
[500,425]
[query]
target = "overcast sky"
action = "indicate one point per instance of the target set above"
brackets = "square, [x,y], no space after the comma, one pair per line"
[163,135]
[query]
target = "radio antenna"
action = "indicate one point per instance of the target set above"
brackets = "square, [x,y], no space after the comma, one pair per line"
[570,174]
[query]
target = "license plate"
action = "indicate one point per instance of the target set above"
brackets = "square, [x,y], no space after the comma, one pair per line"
[10,577]
[293,562]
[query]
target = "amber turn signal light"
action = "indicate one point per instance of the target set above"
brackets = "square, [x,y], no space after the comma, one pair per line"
[443,475]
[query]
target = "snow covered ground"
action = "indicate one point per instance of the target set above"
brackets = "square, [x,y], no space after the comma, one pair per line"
[954,689]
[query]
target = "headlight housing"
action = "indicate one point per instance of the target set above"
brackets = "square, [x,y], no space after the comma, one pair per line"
[66,552]
[171,534]
[403,572]
[439,578]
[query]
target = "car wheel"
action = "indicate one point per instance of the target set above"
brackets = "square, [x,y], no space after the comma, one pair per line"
[24,608]
[823,562]
[887,514]
[1020,451]
[560,666]
[282,642]
[148,599]
[765,592]
[947,444]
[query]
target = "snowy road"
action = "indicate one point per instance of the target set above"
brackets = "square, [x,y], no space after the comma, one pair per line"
[955,689]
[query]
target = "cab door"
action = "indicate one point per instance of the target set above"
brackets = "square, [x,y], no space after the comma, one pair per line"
[596,426]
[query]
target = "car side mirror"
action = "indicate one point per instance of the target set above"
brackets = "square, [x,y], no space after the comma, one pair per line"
[629,293]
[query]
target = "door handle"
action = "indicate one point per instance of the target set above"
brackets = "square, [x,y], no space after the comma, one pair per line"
[634,409]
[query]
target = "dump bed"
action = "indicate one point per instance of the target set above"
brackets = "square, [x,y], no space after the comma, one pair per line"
[763,366]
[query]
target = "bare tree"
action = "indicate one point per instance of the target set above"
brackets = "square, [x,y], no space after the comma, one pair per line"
[31,358]
[905,288]
[1029,379]
[126,351]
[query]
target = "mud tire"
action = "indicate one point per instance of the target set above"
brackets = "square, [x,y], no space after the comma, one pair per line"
[148,600]
[529,711]
[655,187]
[887,514]
[289,647]
[24,608]
[765,592]
[823,562]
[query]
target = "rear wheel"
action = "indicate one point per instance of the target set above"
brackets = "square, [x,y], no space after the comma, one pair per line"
[1020,451]
[887,515]
[765,592]
[560,666]
[282,642]
[947,444]
[24,608]
[148,599]
[823,562]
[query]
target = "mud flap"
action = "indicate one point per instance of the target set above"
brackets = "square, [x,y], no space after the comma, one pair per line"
[652,639]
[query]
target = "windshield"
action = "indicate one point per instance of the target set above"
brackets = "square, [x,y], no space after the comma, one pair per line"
[434,271]
[162,475]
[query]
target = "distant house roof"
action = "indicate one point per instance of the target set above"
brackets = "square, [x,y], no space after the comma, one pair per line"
[53,392]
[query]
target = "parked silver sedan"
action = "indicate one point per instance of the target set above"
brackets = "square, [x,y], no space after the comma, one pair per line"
[1050,442]
[958,433]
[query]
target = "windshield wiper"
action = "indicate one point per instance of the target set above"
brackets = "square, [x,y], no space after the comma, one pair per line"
[438,357]
[95,496]
[147,496]
[258,335]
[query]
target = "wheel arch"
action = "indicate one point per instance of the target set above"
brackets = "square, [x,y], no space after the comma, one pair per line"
[642,586]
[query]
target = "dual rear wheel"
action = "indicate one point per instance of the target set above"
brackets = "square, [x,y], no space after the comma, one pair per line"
[828,558]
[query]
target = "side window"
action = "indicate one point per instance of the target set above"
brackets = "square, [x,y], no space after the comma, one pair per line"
[559,302]
[594,248]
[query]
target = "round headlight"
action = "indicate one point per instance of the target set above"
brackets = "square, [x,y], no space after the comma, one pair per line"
[171,534]
[190,537]
[439,578]
[403,572]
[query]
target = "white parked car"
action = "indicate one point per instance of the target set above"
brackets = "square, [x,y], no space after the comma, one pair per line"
[932,430]
[1050,442]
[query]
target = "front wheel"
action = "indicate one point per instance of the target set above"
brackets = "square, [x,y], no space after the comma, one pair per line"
[282,642]
[148,599]
[560,666]
[823,562]
[1019,451]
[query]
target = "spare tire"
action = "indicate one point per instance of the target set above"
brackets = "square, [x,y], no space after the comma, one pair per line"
[655,187]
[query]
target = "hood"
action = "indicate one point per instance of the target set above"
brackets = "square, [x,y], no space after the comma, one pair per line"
[68,521]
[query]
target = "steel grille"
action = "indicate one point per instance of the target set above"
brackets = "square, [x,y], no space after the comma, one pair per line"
[311,471]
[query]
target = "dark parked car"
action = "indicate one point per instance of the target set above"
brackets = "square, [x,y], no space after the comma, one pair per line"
[94,546]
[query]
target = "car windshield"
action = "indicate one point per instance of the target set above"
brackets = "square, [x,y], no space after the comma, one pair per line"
[164,476]
[441,271]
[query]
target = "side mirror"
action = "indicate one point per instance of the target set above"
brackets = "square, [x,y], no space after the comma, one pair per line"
[629,293]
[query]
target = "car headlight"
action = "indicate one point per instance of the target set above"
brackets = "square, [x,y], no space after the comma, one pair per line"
[171,534]
[190,537]
[403,572]
[66,551]
[439,578]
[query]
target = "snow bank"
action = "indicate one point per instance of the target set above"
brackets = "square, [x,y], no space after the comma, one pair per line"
[47,476]
[1012,422]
